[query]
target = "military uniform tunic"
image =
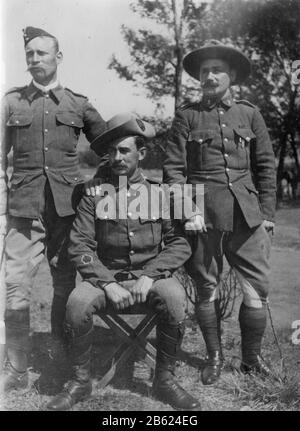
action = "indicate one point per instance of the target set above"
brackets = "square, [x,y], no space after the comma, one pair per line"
[107,248]
[42,129]
[227,148]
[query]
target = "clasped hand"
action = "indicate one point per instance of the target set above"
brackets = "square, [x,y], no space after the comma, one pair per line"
[122,298]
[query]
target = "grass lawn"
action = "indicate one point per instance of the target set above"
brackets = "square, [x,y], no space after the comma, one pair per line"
[130,390]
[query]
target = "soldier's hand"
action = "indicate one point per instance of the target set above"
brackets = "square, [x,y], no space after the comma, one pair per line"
[3,224]
[194,225]
[269,226]
[120,297]
[92,187]
[140,289]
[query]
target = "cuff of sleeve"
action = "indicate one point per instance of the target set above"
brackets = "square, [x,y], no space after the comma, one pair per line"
[154,275]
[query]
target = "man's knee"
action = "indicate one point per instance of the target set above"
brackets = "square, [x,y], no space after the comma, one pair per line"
[255,292]
[83,302]
[170,298]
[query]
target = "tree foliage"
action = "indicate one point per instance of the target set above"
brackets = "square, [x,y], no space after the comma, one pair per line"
[157,52]
[268,31]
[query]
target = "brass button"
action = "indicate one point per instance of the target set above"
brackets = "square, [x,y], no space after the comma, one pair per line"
[223,125]
[46,167]
[131,234]
[226,155]
[46,112]
[46,130]
[200,140]
[227,169]
[46,148]
[17,121]
[131,252]
[230,184]
[225,139]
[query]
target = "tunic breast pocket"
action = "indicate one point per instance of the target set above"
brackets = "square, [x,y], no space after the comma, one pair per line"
[243,139]
[197,147]
[69,126]
[19,125]
[151,228]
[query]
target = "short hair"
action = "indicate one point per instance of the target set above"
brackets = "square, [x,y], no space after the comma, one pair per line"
[140,142]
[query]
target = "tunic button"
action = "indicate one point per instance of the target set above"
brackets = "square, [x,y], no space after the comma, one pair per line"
[46,112]
[128,194]
[46,167]
[76,179]
[46,130]
[131,234]
[225,139]
[221,112]
[129,214]
[200,140]
[131,252]
[17,121]
[47,95]
[223,125]
[46,148]
[227,169]
[72,122]
[226,155]
[230,184]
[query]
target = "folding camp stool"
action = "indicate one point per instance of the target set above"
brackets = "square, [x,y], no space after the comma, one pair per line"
[132,339]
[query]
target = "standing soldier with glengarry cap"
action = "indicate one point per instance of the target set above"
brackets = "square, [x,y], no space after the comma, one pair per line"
[224,144]
[41,122]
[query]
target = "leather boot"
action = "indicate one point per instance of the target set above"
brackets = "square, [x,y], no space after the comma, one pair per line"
[80,386]
[15,375]
[259,367]
[208,317]
[212,368]
[165,388]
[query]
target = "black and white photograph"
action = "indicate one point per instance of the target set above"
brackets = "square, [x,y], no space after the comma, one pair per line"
[150,208]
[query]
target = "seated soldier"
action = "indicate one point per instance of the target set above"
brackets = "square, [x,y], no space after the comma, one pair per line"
[125,260]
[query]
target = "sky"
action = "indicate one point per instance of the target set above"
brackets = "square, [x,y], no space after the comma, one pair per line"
[89,33]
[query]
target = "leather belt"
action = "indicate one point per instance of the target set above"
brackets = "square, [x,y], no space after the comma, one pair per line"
[125,276]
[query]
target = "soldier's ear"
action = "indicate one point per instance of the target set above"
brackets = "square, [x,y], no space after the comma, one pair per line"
[59,57]
[142,153]
[232,75]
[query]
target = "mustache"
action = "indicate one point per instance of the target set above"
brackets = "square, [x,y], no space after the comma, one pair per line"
[210,84]
[29,68]
[118,165]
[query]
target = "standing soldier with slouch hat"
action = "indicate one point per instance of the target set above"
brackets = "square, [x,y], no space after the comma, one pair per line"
[224,144]
[126,256]
[41,122]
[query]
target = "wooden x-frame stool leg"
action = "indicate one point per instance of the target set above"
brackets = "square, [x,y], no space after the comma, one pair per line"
[133,339]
